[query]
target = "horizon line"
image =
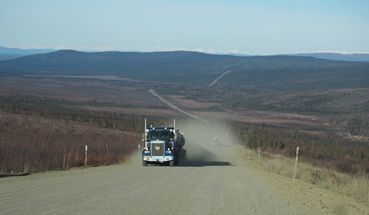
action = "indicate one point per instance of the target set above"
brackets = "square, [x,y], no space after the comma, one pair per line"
[159,49]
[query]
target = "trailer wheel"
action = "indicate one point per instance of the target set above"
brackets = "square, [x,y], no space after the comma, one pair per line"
[144,163]
[171,163]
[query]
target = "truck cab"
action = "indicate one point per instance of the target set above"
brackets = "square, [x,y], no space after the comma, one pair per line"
[162,145]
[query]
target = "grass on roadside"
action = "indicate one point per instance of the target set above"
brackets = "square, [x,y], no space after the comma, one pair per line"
[33,144]
[353,186]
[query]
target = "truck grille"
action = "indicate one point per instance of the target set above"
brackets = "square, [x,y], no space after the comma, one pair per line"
[157,149]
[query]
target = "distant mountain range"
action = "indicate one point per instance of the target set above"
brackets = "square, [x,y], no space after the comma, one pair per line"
[195,68]
[336,56]
[11,53]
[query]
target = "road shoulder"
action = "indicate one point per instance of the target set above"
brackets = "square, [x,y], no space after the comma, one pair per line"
[304,197]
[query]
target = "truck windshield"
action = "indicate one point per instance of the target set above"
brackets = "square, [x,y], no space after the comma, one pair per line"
[160,135]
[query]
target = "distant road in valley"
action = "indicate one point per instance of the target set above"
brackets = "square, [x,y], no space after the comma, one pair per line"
[171,105]
[220,77]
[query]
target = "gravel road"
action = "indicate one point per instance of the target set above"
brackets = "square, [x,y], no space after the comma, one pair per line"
[220,77]
[213,180]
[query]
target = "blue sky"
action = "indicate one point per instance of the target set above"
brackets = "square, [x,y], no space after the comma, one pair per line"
[242,26]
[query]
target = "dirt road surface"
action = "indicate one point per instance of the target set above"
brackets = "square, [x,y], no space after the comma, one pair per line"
[213,180]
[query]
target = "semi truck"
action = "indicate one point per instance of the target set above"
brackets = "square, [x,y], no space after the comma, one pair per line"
[163,145]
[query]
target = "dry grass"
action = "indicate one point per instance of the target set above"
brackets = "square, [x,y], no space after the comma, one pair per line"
[354,186]
[32,144]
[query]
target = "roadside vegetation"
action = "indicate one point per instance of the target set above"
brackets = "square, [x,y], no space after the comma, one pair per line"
[39,134]
[31,144]
[337,163]
[319,149]
[355,186]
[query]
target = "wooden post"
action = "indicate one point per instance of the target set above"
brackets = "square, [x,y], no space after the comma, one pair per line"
[86,147]
[296,160]
[259,158]
[64,158]
[107,149]
[26,167]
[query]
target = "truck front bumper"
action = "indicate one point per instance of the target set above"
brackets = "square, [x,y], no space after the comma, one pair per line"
[158,159]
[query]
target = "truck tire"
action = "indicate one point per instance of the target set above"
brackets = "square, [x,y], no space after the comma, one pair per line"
[171,163]
[144,163]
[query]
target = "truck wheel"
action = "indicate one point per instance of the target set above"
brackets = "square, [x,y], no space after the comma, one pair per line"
[171,163]
[144,163]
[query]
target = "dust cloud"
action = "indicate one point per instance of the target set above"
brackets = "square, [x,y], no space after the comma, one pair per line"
[207,144]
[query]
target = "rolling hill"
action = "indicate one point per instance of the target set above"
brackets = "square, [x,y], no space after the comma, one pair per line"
[12,53]
[197,68]
[337,56]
